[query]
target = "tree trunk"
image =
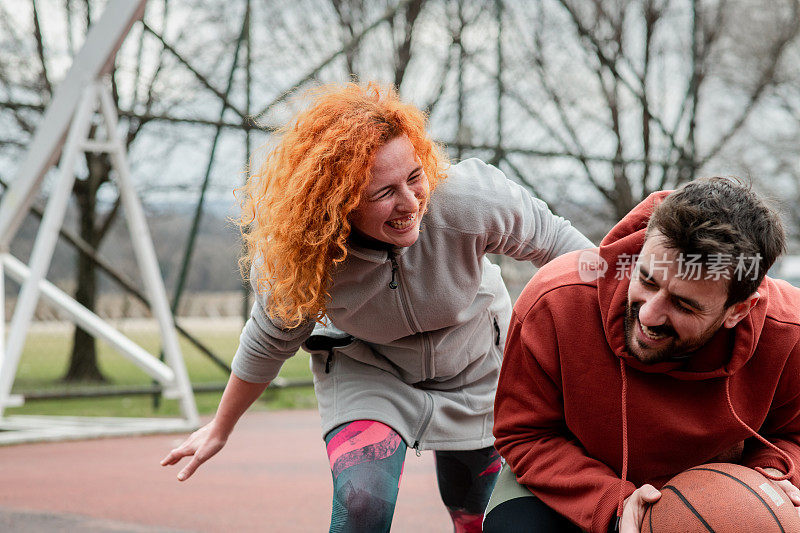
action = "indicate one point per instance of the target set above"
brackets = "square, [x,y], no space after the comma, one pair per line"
[83,361]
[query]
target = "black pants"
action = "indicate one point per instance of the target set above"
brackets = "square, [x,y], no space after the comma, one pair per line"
[514,509]
[525,515]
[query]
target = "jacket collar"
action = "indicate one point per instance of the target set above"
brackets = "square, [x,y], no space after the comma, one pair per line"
[360,248]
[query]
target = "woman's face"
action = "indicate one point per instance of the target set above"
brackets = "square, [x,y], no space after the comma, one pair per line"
[396,196]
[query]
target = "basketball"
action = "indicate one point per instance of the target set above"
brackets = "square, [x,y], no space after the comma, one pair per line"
[723,498]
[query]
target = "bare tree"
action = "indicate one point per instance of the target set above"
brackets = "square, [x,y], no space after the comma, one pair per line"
[354,15]
[631,96]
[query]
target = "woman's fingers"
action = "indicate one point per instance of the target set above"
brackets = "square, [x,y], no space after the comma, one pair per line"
[176,455]
[202,445]
[189,469]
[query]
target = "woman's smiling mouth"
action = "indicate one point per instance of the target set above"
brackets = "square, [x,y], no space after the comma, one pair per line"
[402,223]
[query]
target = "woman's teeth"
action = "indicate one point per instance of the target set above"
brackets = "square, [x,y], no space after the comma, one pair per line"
[402,223]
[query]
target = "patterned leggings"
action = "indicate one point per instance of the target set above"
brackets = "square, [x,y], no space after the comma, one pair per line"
[367,458]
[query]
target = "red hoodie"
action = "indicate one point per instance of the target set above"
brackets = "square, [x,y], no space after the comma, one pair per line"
[568,382]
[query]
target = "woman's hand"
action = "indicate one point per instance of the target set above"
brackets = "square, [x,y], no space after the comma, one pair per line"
[204,443]
[201,445]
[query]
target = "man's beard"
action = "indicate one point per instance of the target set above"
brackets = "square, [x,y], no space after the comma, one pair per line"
[675,350]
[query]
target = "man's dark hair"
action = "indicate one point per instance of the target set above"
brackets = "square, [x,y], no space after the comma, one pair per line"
[722,217]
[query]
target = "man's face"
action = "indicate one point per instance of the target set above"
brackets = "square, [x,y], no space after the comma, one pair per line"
[669,315]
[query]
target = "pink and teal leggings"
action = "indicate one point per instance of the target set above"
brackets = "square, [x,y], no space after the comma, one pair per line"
[366,459]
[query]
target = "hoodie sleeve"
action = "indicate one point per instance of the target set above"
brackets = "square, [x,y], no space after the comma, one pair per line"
[264,345]
[782,426]
[532,434]
[513,222]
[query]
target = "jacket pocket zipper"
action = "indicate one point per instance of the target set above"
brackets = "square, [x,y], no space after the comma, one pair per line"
[425,422]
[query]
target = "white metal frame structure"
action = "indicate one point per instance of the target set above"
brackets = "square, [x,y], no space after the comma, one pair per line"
[84,92]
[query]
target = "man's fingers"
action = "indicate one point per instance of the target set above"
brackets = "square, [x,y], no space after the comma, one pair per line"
[646,494]
[794,494]
[635,507]
[650,494]
[791,491]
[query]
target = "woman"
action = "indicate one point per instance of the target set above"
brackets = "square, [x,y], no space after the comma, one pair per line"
[369,252]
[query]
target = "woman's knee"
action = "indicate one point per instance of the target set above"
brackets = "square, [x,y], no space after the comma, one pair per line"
[361,510]
[366,459]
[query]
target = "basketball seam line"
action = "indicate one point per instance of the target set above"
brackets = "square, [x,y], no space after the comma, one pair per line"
[748,487]
[689,506]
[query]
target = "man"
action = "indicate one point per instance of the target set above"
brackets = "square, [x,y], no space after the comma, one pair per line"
[664,349]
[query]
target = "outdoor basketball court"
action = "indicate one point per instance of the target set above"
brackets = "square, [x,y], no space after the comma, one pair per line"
[271,476]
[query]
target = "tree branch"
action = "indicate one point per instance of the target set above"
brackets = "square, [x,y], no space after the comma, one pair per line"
[443,72]
[147,117]
[200,77]
[539,61]
[403,52]
[766,80]
[346,22]
[524,179]
[325,62]
[584,32]
[550,154]
[37,35]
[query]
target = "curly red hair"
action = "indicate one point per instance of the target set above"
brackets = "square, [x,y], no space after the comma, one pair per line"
[295,207]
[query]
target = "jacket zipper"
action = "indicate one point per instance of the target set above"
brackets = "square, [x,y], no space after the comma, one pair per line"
[427,367]
[395,268]
[496,332]
[425,422]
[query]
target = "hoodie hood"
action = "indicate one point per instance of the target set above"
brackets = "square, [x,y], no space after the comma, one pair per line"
[619,249]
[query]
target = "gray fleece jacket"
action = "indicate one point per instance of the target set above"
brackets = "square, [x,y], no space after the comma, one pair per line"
[415,335]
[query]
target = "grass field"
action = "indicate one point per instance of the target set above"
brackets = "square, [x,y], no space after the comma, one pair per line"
[46,355]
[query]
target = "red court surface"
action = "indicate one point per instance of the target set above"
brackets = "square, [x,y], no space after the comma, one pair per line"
[272,476]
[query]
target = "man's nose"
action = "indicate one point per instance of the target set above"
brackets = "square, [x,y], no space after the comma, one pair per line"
[653,312]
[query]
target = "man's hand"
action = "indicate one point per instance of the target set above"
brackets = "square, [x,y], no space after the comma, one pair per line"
[202,445]
[635,507]
[791,491]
